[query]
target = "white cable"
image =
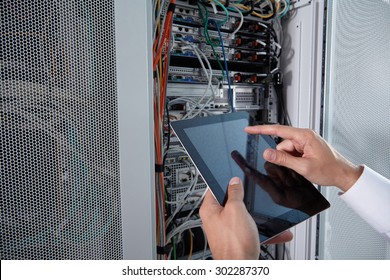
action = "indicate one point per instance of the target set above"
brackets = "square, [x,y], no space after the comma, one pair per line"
[196,205]
[179,100]
[198,103]
[284,8]
[270,5]
[241,19]
[183,227]
[214,6]
[261,42]
[209,84]
[175,149]
[279,29]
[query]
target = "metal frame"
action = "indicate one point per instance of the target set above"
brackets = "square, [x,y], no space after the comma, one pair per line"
[302,67]
[135,111]
[303,84]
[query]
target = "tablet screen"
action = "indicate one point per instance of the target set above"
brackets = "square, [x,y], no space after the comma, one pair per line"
[276,197]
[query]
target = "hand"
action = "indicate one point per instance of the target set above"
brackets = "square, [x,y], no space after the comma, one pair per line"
[307,153]
[285,187]
[230,230]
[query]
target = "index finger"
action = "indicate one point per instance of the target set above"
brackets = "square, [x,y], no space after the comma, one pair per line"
[285,132]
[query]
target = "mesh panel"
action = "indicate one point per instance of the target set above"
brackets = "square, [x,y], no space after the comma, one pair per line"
[359,116]
[60,192]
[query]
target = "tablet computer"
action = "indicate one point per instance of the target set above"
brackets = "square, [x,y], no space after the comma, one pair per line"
[276,197]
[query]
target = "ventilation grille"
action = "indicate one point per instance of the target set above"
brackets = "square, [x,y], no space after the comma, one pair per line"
[60,191]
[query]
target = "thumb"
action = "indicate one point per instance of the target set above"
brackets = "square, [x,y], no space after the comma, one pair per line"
[283,159]
[235,190]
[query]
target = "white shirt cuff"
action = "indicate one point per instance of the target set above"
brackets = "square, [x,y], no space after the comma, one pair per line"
[369,197]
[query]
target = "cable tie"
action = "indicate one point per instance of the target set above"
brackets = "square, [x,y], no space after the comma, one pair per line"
[160,250]
[159,168]
[163,250]
[171,7]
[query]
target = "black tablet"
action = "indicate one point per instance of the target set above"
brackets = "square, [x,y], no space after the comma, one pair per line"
[276,197]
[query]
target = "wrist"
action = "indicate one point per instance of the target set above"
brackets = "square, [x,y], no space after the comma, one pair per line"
[351,174]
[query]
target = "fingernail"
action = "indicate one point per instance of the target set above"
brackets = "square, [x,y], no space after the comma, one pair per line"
[234,181]
[270,155]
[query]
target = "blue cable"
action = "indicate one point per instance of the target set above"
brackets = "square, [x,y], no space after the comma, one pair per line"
[226,66]
[287,9]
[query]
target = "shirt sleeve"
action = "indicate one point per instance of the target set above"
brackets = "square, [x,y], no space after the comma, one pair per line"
[369,197]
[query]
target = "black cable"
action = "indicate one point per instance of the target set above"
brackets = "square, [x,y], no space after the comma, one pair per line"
[257,5]
[267,253]
[168,144]
[252,8]
[273,33]
[283,117]
[169,125]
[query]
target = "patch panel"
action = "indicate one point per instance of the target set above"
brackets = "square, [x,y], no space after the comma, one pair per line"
[196,91]
[217,53]
[249,98]
[184,29]
[188,11]
[201,43]
[189,38]
[187,15]
[196,75]
[226,37]
[189,90]
[182,52]
[211,108]
[188,78]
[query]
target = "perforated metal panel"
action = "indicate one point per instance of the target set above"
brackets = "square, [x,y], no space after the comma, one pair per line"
[357,117]
[60,191]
